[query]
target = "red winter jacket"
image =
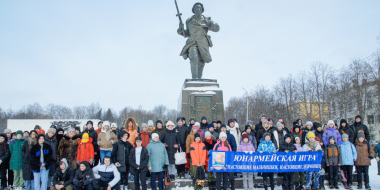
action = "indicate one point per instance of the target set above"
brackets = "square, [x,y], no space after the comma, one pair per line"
[85,151]
[145,136]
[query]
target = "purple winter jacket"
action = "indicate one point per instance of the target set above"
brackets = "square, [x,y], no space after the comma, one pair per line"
[299,147]
[331,132]
[246,147]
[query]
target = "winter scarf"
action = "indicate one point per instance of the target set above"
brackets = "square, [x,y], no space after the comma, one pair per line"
[313,145]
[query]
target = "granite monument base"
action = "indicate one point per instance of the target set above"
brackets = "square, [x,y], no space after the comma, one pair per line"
[201,97]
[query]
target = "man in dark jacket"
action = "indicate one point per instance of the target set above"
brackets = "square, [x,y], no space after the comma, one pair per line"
[120,156]
[357,126]
[139,167]
[204,123]
[63,176]
[345,129]
[230,138]
[265,128]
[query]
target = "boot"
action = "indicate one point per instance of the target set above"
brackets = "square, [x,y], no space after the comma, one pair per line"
[172,177]
[233,185]
[265,185]
[345,185]
[367,187]
[360,186]
[336,187]
[297,186]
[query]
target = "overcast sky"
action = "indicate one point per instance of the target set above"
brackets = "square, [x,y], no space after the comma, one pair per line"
[126,53]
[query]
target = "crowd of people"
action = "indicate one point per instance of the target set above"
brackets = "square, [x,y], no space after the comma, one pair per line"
[108,157]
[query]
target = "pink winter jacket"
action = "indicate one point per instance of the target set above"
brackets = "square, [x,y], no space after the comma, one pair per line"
[219,146]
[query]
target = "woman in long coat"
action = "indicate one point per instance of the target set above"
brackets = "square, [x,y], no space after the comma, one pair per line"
[27,168]
[171,141]
[68,148]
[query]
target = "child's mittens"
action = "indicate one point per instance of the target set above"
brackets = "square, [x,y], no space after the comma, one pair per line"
[246,152]
[274,151]
[261,152]
[310,151]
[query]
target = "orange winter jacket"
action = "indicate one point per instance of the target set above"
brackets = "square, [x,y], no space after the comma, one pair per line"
[85,150]
[198,153]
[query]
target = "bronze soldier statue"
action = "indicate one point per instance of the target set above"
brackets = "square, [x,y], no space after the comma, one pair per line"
[198,42]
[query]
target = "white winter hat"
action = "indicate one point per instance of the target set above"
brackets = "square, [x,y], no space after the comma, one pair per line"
[330,122]
[154,135]
[150,123]
[144,125]
[170,123]
[113,125]
[222,134]
[207,134]
[106,123]
[197,124]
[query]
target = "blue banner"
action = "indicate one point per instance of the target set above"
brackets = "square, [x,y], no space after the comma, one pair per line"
[220,161]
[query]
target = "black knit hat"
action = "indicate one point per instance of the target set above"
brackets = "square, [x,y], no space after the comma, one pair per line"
[179,118]
[138,138]
[196,135]
[121,134]
[219,122]
[223,125]
[90,122]
[40,135]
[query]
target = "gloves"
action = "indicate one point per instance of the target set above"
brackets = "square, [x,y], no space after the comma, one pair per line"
[274,151]
[75,181]
[261,152]
[78,162]
[188,155]
[310,151]
[319,150]
[91,161]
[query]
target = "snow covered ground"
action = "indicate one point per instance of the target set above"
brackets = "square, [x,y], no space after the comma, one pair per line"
[374,180]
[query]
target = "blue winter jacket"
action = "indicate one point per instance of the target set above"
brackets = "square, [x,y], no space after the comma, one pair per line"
[231,140]
[349,154]
[265,146]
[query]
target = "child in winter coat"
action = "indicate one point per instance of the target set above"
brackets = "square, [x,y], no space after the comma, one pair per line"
[138,160]
[288,177]
[310,146]
[198,158]
[246,146]
[158,161]
[63,176]
[171,141]
[107,174]
[83,177]
[365,154]
[333,161]
[85,150]
[17,160]
[331,131]
[145,136]
[190,138]
[222,145]
[209,143]
[349,155]
[377,155]
[251,135]
[211,130]
[266,145]
[299,177]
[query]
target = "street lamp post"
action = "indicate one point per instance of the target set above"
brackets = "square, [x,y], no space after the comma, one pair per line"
[247,104]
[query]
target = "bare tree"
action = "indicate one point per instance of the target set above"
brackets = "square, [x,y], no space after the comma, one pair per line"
[79,112]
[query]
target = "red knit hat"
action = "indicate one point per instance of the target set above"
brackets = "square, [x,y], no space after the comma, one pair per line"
[318,139]
[41,131]
[245,135]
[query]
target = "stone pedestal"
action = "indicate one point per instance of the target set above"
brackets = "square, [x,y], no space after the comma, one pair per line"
[201,97]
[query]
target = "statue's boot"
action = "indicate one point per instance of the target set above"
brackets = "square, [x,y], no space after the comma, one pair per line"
[194,70]
[200,69]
